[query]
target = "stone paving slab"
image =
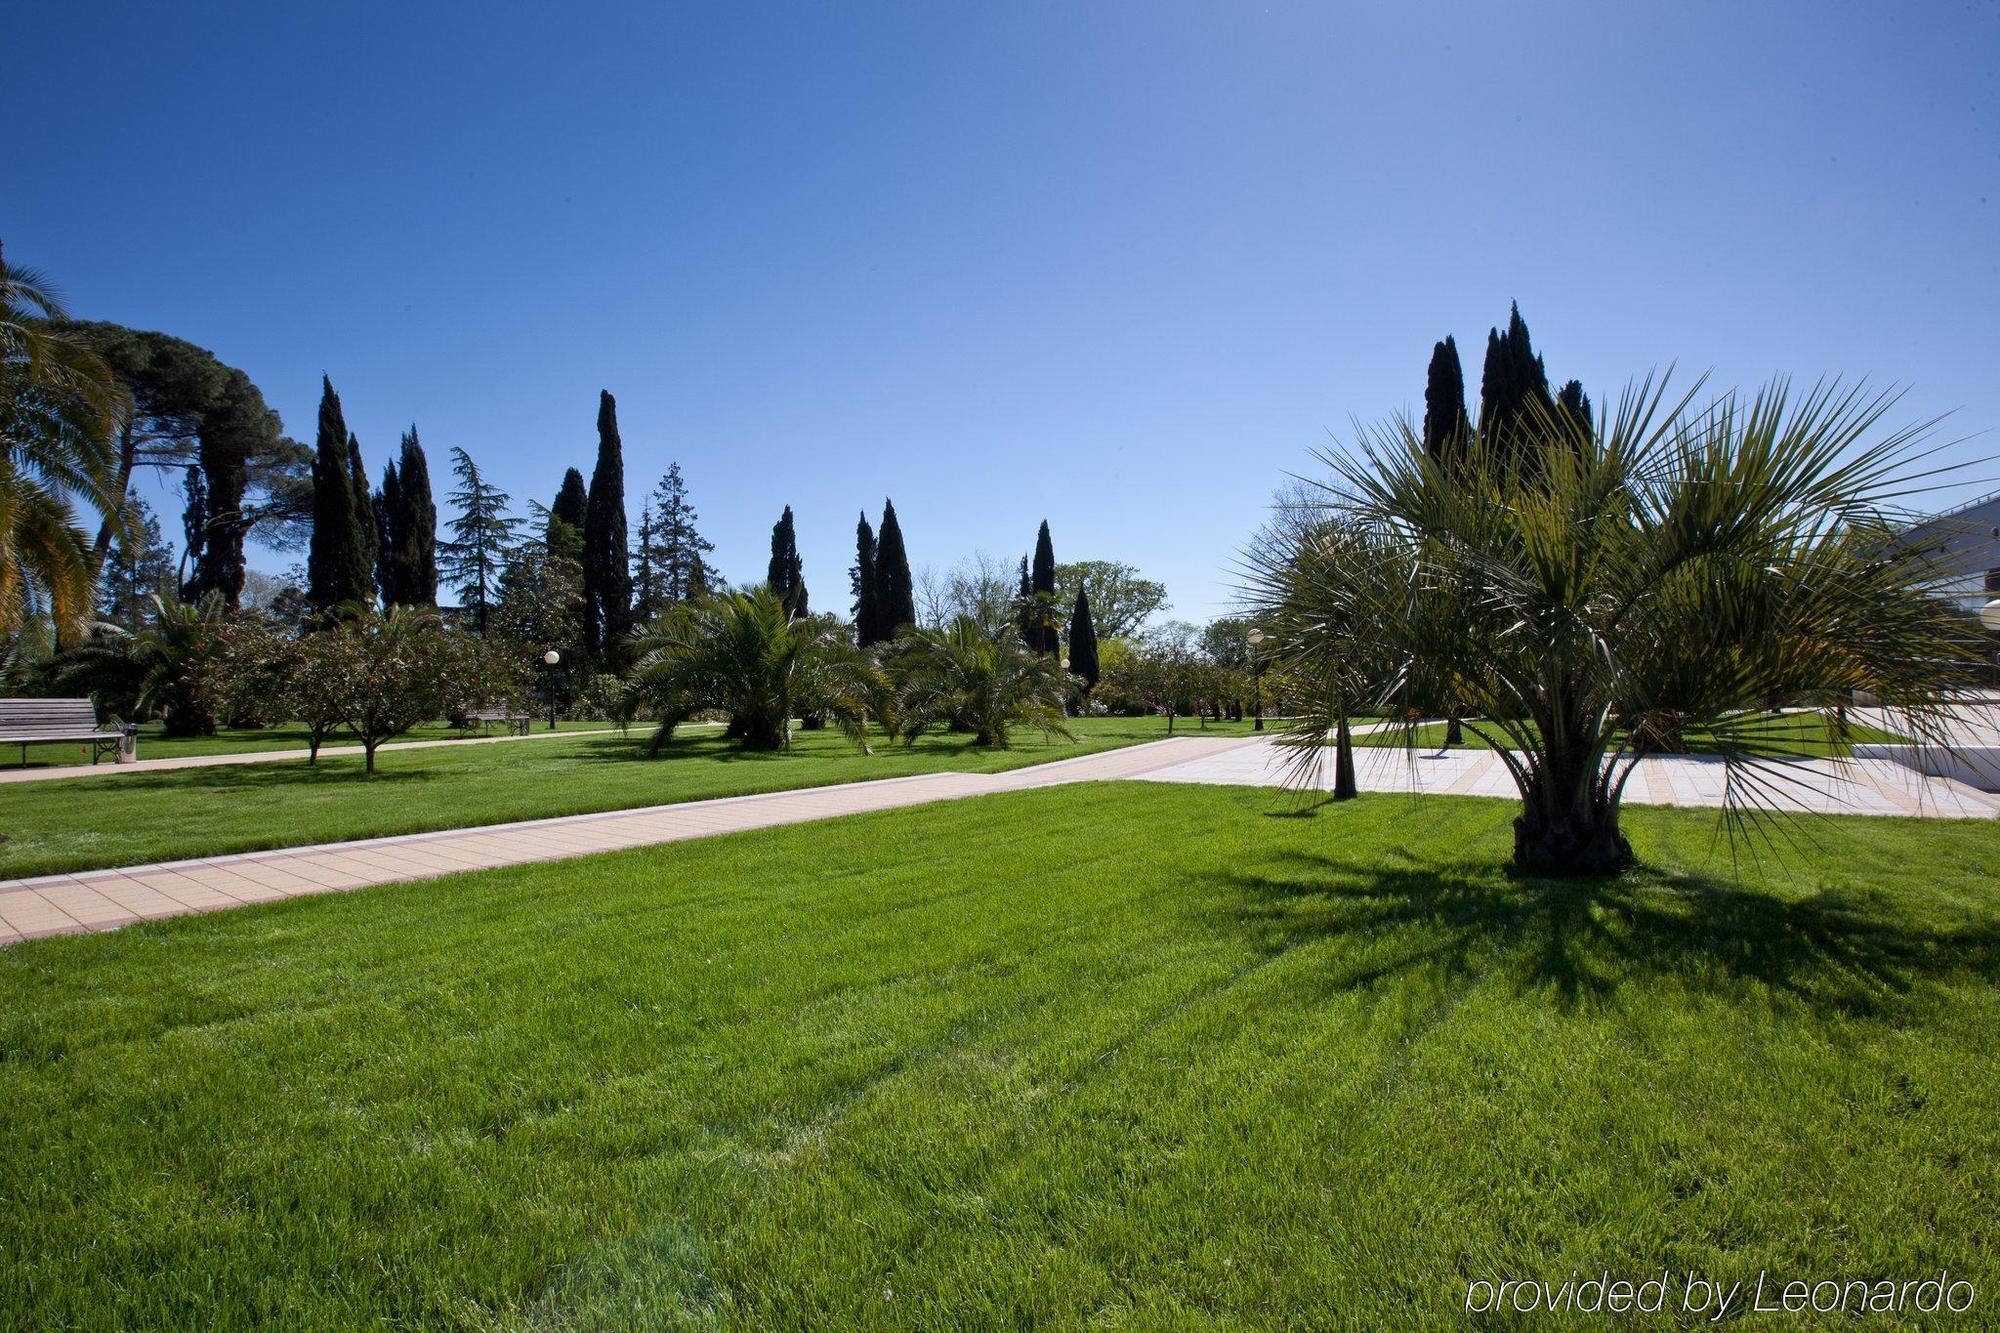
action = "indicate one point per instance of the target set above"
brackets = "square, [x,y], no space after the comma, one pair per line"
[106,899]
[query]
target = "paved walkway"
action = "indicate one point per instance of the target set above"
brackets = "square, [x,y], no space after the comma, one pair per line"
[107,899]
[1823,786]
[268,756]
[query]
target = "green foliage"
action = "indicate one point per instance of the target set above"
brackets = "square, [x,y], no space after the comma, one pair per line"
[1513,388]
[975,678]
[1083,643]
[607,563]
[786,572]
[364,508]
[745,655]
[865,584]
[157,670]
[678,553]
[61,408]
[1445,422]
[406,521]
[1121,600]
[895,589]
[339,568]
[480,535]
[1667,577]
[572,504]
[138,566]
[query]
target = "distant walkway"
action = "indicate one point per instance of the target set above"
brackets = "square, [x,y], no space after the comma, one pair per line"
[107,899]
[267,756]
[1819,786]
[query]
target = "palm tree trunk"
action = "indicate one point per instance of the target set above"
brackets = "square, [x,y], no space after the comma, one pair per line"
[1344,787]
[1568,824]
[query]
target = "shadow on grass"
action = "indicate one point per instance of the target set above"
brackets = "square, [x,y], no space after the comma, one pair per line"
[1583,941]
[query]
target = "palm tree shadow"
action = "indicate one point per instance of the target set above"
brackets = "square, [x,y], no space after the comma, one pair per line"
[1585,942]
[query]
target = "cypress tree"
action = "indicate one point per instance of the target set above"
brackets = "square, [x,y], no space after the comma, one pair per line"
[1083,643]
[1574,405]
[364,506]
[337,567]
[867,622]
[607,564]
[1041,592]
[1512,383]
[645,581]
[416,527]
[787,572]
[572,500]
[1445,424]
[1024,608]
[895,590]
[388,513]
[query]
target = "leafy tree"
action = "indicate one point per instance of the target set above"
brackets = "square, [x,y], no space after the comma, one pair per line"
[862,578]
[607,564]
[318,671]
[572,504]
[1445,422]
[1121,601]
[338,567]
[541,603]
[681,557]
[1162,669]
[895,590]
[748,655]
[403,668]
[976,678]
[481,535]
[61,408]
[787,572]
[138,566]
[1083,643]
[1657,585]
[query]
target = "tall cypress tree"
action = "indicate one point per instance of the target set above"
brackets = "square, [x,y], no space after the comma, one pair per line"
[1083,643]
[572,500]
[895,590]
[607,564]
[1512,380]
[786,574]
[1445,424]
[867,622]
[1574,405]
[416,526]
[364,505]
[1042,591]
[337,565]
[387,507]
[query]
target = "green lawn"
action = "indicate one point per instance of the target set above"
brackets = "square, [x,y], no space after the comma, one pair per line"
[1789,733]
[85,823]
[1162,1056]
[245,740]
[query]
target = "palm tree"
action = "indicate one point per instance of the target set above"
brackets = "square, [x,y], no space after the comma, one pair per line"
[157,667]
[976,678]
[1661,579]
[744,655]
[60,413]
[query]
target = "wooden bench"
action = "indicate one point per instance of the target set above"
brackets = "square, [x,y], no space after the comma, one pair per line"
[26,722]
[517,723]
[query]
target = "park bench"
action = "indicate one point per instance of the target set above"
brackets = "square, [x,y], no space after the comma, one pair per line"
[515,722]
[26,722]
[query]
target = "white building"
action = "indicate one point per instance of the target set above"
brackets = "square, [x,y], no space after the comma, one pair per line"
[1970,556]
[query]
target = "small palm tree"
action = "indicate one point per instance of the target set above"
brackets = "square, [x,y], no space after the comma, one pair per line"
[1591,594]
[744,655]
[60,413]
[979,679]
[159,667]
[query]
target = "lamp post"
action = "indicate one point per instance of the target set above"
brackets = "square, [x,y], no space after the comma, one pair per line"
[1255,637]
[550,660]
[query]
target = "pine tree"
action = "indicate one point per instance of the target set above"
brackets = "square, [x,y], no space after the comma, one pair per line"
[572,500]
[681,561]
[786,574]
[364,506]
[1083,643]
[416,527]
[387,506]
[338,569]
[895,590]
[607,564]
[137,565]
[867,621]
[481,534]
[1445,424]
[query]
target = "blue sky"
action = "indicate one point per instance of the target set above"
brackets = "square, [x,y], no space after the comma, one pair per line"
[1118,266]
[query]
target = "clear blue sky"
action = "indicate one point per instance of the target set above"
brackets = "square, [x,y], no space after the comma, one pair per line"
[1120,266]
